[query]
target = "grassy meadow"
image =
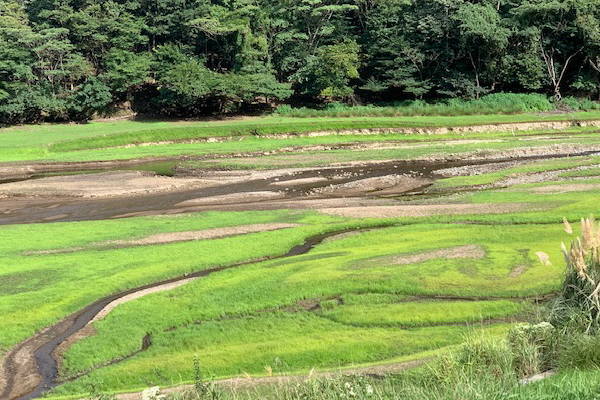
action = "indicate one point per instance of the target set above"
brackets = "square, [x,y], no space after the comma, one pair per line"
[397,289]
[102,140]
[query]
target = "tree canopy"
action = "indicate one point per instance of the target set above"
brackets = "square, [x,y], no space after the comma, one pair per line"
[70,59]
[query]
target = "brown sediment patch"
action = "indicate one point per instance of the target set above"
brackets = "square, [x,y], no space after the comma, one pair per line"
[174,237]
[106,184]
[387,183]
[20,171]
[300,204]
[249,381]
[215,233]
[467,251]
[22,369]
[233,198]
[428,210]
[566,188]
[517,271]
[458,252]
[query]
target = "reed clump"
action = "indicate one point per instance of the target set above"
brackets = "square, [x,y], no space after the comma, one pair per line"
[579,301]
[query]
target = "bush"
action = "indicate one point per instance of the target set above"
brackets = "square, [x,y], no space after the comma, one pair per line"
[497,103]
[533,348]
[576,104]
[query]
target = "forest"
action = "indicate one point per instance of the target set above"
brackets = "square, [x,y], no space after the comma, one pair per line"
[68,60]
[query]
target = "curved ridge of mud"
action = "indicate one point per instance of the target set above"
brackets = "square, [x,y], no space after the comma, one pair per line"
[32,366]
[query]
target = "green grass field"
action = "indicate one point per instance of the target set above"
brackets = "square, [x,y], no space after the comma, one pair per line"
[254,298]
[89,142]
[399,289]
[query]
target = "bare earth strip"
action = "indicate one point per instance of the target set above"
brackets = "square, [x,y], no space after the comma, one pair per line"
[426,210]
[566,188]
[467,251]
[233,198]
[173,237]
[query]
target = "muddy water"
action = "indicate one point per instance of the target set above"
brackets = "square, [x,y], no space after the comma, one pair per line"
[15,210]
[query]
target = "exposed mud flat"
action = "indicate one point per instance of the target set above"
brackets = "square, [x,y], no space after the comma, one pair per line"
[301,181]
[204,190]
[391,183]
[106,184]
[10,172]
[353,184]
[233,198]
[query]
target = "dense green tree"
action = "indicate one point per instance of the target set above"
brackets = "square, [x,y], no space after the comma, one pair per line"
[557,34]
[328,73]
[69,59]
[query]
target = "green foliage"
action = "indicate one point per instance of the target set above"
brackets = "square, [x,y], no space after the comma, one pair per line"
[92,97]
[534,348]
[247,55]
[329,71]
[497,103]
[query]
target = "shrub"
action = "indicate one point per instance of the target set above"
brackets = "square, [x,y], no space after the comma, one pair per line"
[577,104]
[533,348]
[497,103]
